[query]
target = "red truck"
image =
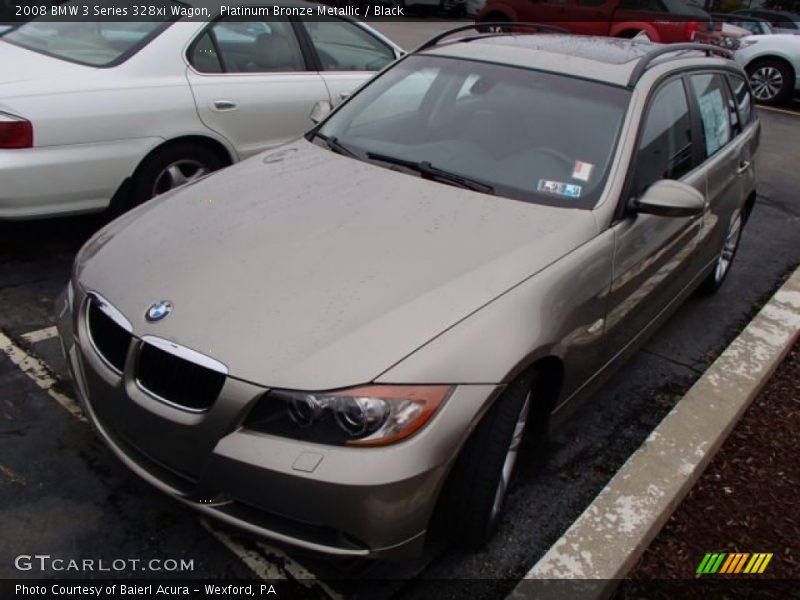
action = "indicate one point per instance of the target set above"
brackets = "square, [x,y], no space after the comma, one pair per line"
[662,20]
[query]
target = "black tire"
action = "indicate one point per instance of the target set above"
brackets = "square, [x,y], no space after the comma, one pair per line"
[772,81]
[193,160]
[469,509]
[722,266]
[496,20]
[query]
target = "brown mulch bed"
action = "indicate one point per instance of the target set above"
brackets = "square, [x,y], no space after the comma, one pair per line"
[747,500]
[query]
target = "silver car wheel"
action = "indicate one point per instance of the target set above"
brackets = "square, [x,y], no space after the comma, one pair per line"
[766,82]
[729,249]
[178,173]
[511,457]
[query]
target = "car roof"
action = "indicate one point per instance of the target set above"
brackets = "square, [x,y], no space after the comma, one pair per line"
[603,59]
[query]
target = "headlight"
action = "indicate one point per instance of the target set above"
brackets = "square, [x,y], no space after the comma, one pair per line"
[366,416]
[730,43]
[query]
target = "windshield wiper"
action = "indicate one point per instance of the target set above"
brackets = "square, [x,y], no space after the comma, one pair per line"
[334,144]
[426,169]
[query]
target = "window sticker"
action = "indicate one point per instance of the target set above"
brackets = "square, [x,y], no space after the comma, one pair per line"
[715,121]
[559,188]
[582,170]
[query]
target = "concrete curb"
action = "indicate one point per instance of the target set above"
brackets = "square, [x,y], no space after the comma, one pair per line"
[612,533]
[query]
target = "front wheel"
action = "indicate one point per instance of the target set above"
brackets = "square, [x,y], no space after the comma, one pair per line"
[473,500]
[494,24]
[772,81]
[722,267]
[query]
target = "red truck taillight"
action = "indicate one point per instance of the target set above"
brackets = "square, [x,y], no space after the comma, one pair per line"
[15,132]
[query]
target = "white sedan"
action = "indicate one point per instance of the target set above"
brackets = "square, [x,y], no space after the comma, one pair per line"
[114,113]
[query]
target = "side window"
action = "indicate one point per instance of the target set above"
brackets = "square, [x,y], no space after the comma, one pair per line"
[343,46]
[742,98]
[715,113]
[252,47]
[592,3]
[665,148]
[650,5]
[203,55]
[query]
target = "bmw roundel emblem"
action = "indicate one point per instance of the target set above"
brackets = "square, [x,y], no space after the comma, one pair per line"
[158,311]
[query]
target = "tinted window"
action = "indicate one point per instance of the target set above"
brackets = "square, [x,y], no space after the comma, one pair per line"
[591,2]
[532,136]
[343,46]
[257,46]
[665,148]
[91,43]
[716,116]
[742,97]
[652,5]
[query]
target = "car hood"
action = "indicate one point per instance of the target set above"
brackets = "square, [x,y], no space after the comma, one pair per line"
[21,65]
[305,269]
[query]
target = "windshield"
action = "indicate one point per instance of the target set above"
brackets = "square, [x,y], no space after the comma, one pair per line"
[524,134]
[98,44]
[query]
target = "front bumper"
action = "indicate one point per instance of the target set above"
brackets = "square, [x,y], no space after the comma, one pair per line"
[372,502]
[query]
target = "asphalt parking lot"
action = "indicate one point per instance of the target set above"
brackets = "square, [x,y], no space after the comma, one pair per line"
[62,493]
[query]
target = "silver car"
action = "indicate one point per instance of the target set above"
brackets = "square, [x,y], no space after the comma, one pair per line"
[341,343]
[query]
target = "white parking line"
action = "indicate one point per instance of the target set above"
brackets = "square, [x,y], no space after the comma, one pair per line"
[36,370]
[251,558]
[779,110]
[40,335]
[256,560]
[265,560]
[297,571]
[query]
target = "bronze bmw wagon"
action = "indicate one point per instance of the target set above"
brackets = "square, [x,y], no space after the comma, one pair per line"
[340,343]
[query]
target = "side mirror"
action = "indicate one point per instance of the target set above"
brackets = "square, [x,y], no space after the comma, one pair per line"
[320,110]
[668,198]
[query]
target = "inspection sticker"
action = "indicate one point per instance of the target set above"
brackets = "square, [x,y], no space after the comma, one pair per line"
[560,188]
[582,170]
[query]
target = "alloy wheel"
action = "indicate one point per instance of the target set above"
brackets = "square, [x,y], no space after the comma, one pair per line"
[178,173]
[511,457]
[729,249]
[766,82]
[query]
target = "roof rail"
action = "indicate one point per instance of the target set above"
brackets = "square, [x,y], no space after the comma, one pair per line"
[483,28]
[647,59]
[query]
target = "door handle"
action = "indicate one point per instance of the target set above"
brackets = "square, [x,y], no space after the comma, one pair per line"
[224,104]
[743,166]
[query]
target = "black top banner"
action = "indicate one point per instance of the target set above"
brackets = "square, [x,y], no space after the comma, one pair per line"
[20,11]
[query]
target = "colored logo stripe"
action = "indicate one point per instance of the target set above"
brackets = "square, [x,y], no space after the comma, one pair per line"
[737,562]
[711,562]
[734,563]
[758,563]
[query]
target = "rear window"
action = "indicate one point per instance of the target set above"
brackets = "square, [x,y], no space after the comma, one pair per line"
[94,43]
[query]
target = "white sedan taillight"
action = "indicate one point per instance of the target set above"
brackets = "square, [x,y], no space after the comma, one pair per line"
[15,132]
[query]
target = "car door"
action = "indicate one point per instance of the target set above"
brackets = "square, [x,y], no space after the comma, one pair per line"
[652,253]
[547,12]
[347,54]
[591,17]
[253,83]
[727,156]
